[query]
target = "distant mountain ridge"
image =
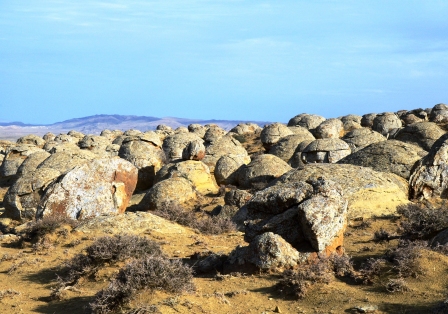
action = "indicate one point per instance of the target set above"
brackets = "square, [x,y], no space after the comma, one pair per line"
[97,123]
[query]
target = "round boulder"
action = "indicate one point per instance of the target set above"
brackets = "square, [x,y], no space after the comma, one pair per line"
[227,167]
[272,133]
[423,134]
[360,138]
[327,150]
[385,122]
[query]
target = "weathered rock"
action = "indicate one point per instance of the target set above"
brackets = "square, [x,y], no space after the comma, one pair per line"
[330,128]
[367,120]
[430,176]
[132,132]
[272,133]
[296,160]
[112,150]
[439,114]
[369,192]
[144,154]
[308,121]
[245,128]
[64,138]
[174,190]
[194,171]
[66,161]
[14,157]
[236,197]
[267,252]
[49,136]
[385,122]
[197,129]
[103,186]
[387,156]
[350,126]
[323,217]
[360,138]
[440,239]
[70,148]
[351,118]
[95,143]
[23,197]
[31,163]
[181,129]
[287,145]
[195,150]
[31,139]
[213,133]
[423,134]
[223,146]
[261,170]
[226,168]
[174,145]
[76,134]
[278,198]
[327,150]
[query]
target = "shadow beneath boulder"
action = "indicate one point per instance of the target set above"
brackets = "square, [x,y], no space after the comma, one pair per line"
[77,305]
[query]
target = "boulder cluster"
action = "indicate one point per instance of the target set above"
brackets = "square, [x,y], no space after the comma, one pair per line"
[292,197]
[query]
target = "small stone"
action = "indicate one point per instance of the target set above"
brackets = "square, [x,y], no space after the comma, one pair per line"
[366,308]
[277,310]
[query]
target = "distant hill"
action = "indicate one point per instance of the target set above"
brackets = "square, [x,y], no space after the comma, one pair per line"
[95,124]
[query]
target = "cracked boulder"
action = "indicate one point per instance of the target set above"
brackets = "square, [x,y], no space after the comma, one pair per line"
[430,176]
[14,157]
[326,150]
[286,146]
[101,187]
[272,133]
[224,145]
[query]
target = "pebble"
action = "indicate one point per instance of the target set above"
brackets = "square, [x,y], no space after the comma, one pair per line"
[366,308]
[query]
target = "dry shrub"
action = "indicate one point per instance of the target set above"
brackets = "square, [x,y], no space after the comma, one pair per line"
[8,293]
[48,224]
[197,220]
[370,270]
[298,281]
[342,265]
[397,285]
[148,272]
[382,236]
[421,222]
[105,250]
[406,258]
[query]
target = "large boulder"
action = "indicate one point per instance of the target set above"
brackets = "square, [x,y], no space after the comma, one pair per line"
[194,171]
[387,156]
[213,133]
[174,145]
[226,170]
[145,153]
[14,157]
[261,170]
[195,150]
[286,146]
[176,190]
[327,150]
[308,121]
[360,138]
[423,134]
[223,146]
[31,139]
[272,133]
[103,186]
[197,129]
[367,120]
[246,128]
[385,122]
[67,160]
[296,160]
[430,176]
[369,192]
[439,114]
[31,163]
[330,128]
[95,143]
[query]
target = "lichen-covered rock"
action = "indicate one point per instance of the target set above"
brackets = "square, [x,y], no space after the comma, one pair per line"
[430,176]
[64,138]
[174,145]
[360,138]
[31,139]
[66,161]
[23,197]
[327,150]
[177,190]
[272,133]
[197,129]
[296,160]
[49,136]
[286,146]
[225,145]
[236,197]
[267,252]
[369,192]
[439,114]
[103,186]
[226,169]
[351,118]
[76,134]
[330,128]
[367,120]
[213,133]
[387,156]
[144,154]
[323,217]
[31,163]
[261,170]
[423,134]
[245,128]
[385,122]
[195,150]
[308,121]
[14,157]
[95,143]
[194,171]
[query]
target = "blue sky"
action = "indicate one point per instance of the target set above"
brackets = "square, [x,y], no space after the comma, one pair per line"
[232,59]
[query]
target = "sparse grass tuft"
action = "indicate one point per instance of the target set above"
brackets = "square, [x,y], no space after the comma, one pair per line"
[148,272]
[406,258]
[47,225]
[397,285]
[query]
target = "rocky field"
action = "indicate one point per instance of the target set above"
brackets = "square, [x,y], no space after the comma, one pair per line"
[340,215]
